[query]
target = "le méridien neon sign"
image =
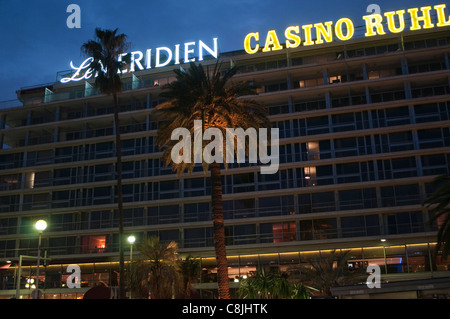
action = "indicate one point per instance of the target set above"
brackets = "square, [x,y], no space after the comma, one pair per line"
[344,29]
[158,58]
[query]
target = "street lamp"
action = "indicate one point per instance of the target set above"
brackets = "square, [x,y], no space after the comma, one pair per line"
[131,240]
[40,226]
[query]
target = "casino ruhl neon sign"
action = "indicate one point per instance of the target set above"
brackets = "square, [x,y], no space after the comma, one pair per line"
[344,29]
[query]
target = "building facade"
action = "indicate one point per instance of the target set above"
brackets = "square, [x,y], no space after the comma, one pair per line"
[364,129]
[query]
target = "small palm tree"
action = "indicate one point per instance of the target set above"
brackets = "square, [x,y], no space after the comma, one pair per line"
[163,275]
[189,269]
[272,285]
[439,204]
[105,50]
[327,271]
[208,96]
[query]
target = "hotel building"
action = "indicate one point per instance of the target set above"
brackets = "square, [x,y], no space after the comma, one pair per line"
[364,129]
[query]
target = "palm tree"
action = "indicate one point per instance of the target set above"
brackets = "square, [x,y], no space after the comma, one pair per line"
[439,204]
[164,279]
[272,285]
[105,50]
[197,94]
[327,271]
[189,269]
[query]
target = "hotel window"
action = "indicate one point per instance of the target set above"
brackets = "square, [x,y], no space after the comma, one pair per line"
[62,245]
[243,183]
[401,141]
[98,219]
[66,198]
[357,199]
[317,125]
[275,87]
[198,237]
[40,158]
[318,229]
[432,112]
[426,67]
[134,146]
[278,232]
[435,164]
[10,182]
[284,128]
[133,169]
[309,106]
[427,91]
[276,206]
[404,167]
[163,214]
[400,195]
[68,154]
[240,234]
[431,138]
[324,175]
[278,109]
[316,202]
[7,248]
[66,176]
[131,217]
[36,201]
[169,189]
[356,226]
[93,244]
[379,97]
[285,153]
[62,222]
[131,193]
[8,226]
[9,203]
[404,223]
[196,187]
[269,181]
[103,172]
[239,208]
[196,212]
[9,161]
[165,236]
[351,172]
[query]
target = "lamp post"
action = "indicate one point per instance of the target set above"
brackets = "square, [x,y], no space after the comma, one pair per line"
[40,225]
[131,240]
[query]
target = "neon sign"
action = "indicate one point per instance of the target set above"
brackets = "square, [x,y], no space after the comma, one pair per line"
[141,61]
[344,29]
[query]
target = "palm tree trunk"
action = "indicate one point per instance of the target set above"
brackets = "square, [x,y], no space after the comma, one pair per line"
[219,232]
[119,198]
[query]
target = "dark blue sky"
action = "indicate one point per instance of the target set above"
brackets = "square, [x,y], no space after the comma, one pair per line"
[36,42]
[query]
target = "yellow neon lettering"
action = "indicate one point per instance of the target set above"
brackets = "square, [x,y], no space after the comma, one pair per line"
[308,38]
[247,45]
[391,21]
[350,29]
[292,37]
[326,33]
[440,10]
[425,18]
[272,40]
[373,21]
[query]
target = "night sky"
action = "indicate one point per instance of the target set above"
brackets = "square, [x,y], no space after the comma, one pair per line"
[36,42]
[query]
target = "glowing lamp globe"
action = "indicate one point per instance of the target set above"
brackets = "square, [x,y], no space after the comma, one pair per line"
[41,225]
